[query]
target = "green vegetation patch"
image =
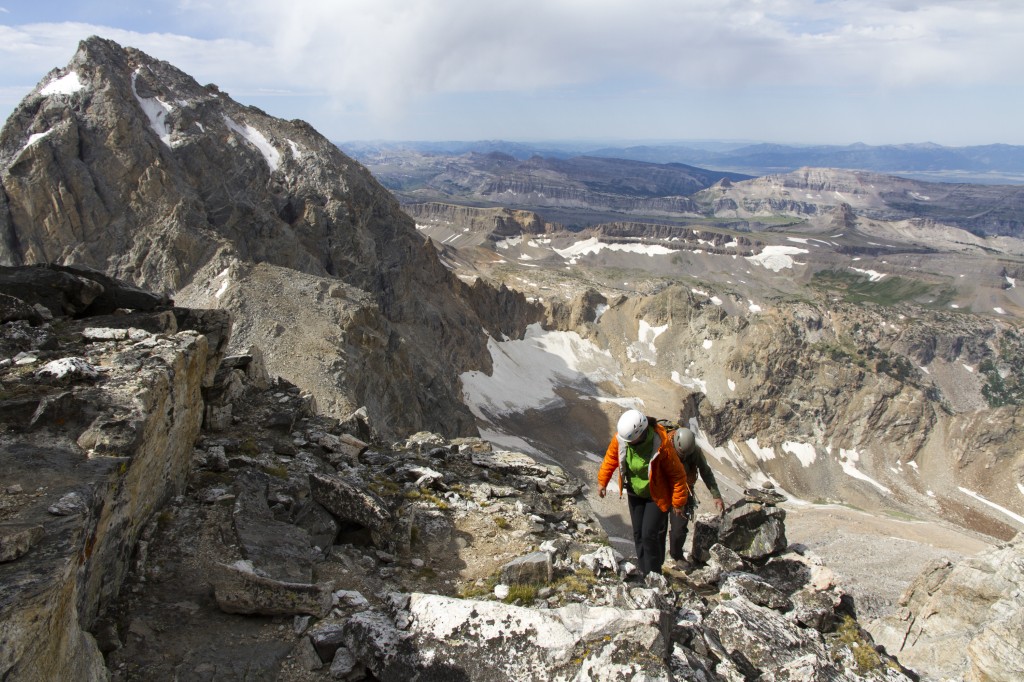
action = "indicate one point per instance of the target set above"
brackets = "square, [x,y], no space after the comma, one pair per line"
[384,486]
[524,594]
[478,589]
[864,655]
[898,367]
[1004,376]
[888,291]
[275,470]
[424,495]
[579,582]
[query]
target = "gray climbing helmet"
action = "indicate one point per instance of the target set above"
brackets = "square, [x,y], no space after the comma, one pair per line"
[683,441]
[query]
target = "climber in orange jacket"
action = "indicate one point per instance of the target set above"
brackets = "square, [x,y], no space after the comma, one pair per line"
[654,481]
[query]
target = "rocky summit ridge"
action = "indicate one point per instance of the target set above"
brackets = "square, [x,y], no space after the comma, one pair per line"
[195,518]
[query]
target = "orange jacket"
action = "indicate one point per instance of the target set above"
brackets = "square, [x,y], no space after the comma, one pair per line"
[667,476]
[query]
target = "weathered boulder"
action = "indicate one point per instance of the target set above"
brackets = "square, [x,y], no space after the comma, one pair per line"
[341,447]
[721,560]
[507,462]
[753,530]
[277,550]
[61,293]
[16,539]
[532,569]
[465,639]
[605,559]
[765,640]
[354,504]
[764,495]
[344,665]
[238,589]
[327,637]
[814,609]
[318,523]
[757,590]
[251,363]
[14,309]
[705,534]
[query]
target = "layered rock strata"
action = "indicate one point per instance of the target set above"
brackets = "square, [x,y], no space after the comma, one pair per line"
[98,417]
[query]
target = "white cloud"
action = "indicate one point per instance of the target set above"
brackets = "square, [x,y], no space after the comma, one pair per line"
[385,55]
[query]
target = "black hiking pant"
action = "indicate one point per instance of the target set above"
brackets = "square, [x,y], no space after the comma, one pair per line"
[650,525]
[679,527]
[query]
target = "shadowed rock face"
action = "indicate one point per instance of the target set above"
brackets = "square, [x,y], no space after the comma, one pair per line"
[123,163]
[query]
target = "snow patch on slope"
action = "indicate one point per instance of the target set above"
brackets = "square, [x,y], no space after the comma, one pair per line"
[258,140]
[804,452]
[156,111]
[595,245]
[68,84]
[526,372]
[848,460]
[873,275]
[776,258]
[1016,517]
[644,350]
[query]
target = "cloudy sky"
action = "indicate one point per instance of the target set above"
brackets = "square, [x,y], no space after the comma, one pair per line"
[794,71]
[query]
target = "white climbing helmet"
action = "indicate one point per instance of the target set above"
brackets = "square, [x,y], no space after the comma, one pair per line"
[632,425]
[683,440]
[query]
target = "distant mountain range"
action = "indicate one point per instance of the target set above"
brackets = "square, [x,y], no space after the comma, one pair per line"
[582,191]
[986,164]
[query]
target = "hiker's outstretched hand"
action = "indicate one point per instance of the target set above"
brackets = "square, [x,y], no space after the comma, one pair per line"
[601,492]
[719,505]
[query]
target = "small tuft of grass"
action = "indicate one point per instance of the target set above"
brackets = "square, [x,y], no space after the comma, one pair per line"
[250,447]
[434,499]
[579,582]
[864,655]
[524,594]
[275,470]
[480,588]
[384,487]
[164,519]
[426,496]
